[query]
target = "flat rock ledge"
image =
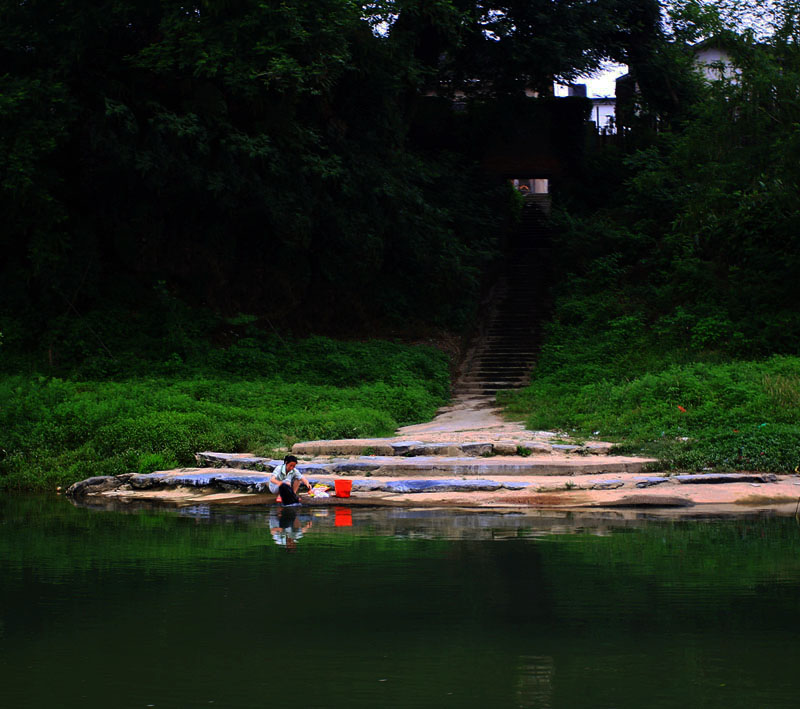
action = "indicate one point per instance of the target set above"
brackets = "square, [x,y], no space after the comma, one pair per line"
[436,464]
[191,486]
[721,478]
[228,481]
[476,448]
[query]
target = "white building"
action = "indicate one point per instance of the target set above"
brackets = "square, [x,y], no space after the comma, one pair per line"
[712,61]
[604,114]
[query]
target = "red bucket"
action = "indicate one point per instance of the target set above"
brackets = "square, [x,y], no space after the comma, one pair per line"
[343,487]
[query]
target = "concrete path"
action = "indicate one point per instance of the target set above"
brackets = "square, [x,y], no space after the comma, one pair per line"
[469,437]
[469,416]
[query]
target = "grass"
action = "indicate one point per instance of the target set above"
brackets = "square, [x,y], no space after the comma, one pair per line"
[56,430]
[727,415]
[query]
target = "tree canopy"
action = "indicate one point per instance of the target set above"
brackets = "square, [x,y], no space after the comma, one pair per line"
[260,156]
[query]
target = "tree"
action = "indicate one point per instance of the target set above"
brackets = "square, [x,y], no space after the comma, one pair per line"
[502,48]
[260,156]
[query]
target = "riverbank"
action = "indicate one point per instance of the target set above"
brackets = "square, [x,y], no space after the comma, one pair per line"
[688,495]
[468,456]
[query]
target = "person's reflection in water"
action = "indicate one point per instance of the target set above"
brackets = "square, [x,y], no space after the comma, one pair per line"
[287,529]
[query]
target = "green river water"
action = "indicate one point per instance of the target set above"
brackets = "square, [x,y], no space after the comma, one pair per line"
[232,607]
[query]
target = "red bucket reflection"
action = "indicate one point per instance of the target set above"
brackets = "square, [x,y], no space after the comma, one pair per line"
[344,517]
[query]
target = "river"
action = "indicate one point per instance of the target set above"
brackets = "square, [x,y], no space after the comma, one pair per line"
[231,607]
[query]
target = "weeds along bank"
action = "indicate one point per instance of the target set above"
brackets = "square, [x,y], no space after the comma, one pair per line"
[253,396]
[640,353]
[734,415]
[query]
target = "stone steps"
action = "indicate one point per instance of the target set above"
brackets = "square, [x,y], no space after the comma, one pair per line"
[436,466]
[411,448]
[509,342]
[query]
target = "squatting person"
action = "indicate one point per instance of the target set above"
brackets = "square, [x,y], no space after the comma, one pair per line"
[284,475]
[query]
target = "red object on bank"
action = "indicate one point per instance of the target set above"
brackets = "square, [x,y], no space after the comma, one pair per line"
[343,487]
[681,408]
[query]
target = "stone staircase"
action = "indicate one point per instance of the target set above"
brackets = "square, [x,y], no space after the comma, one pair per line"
[434,465]
[507,345]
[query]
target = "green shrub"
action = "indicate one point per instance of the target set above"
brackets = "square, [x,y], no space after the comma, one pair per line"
[766,447]
[718,408]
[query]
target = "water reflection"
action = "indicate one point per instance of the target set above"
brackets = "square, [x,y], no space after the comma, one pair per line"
[534,687]
[430,523]
[133,606]
[288,527]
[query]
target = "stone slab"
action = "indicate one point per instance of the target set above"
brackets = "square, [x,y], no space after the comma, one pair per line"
[402,447]
[597,447]
[234,460]
[347,446]
[505,447]
[228,480]
[428,449]
[315,468]
[400,466]
[650,481]
[356,466]
[210,478]
[477,448]
[516,485]
[412,486]
[358,485]
[395,447]
[536,448]
[606,484]
[95,485]
[535,465]
[722,478]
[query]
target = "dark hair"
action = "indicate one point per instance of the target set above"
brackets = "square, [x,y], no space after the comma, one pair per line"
[290,459]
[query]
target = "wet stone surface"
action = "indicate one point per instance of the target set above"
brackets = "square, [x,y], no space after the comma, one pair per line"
[408,486]
[650,481]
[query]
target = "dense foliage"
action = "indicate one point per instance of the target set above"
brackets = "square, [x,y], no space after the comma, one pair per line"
[683,283]
[253,156]
[261,157]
